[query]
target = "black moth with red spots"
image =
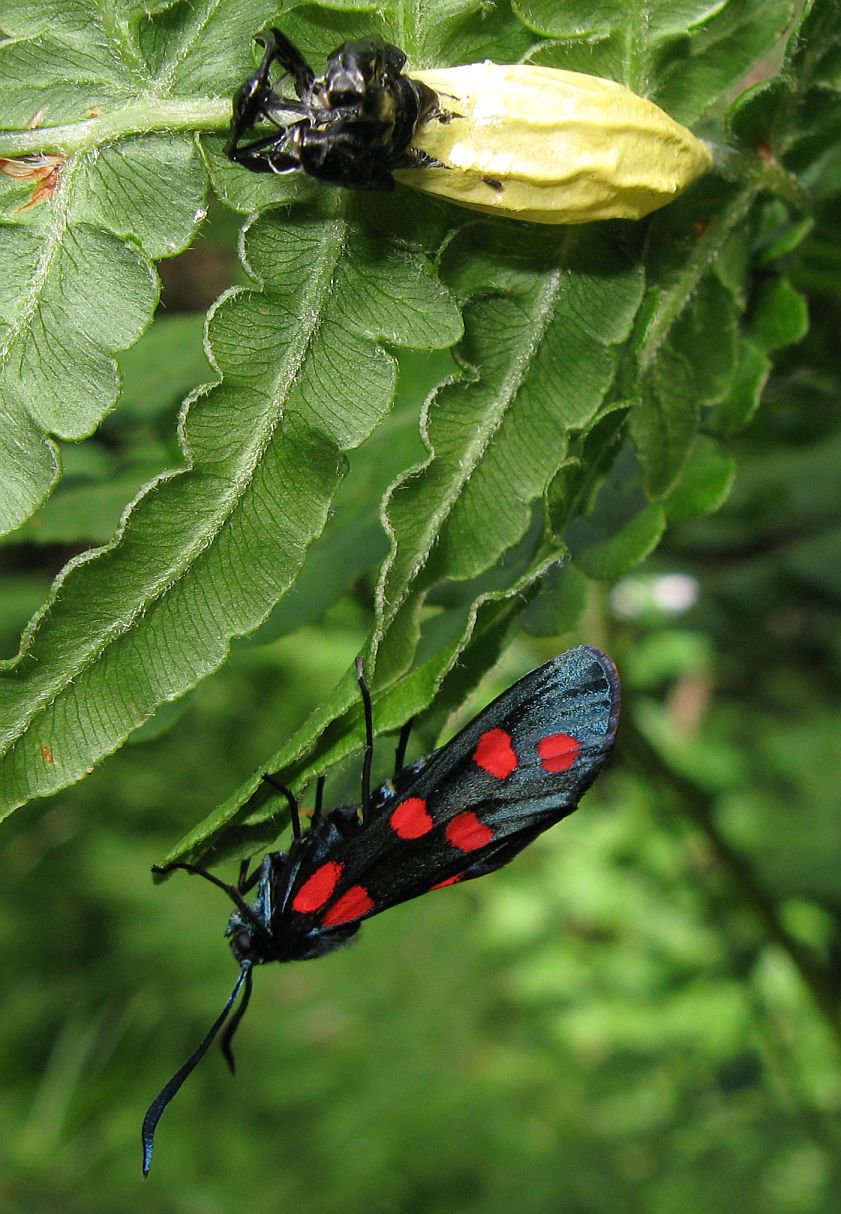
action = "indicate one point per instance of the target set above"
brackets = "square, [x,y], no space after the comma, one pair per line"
[461,812]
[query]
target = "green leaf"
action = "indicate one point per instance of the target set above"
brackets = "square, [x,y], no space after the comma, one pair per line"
[781,315]
[206,553]
[119,99]
[697,72]
[167,364]
[684,54]
[621,529]
[559,605]
[496,615]
[57,374]
[599,18]
[84,513]
[792,121]
[434,33]
[353,542]
[705,483]
[78,284]
[663,425]
[539,356]
[706,336]
[100,478]
[744,392]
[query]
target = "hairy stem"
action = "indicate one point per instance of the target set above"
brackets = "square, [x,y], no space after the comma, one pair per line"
[140,118]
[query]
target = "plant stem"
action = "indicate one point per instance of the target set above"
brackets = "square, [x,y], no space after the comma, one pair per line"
[142,117]
[754,176]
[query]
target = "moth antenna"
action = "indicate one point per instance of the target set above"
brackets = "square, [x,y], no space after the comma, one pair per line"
[159,1104]
[368,753]
[233,1024]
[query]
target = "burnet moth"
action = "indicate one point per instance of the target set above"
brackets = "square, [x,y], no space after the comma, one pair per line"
[461,812]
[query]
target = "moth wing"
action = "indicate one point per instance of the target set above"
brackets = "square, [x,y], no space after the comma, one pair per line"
[520,766]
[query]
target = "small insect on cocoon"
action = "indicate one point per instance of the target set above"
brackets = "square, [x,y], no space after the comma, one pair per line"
[522,141]
[459,813]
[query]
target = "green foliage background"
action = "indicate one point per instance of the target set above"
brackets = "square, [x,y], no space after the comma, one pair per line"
[456,446]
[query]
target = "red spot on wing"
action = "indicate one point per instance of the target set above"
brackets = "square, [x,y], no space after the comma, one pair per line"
[353,904]
[558,752]
[318,887]
[449,881]
[467,833]
[495,754]
[411,819]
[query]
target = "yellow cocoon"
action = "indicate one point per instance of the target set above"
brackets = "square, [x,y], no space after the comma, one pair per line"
[551,146]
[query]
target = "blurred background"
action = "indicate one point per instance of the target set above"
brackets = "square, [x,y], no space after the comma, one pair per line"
[640,1014]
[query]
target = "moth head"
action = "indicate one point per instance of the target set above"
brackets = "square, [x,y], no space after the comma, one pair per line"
[248,944]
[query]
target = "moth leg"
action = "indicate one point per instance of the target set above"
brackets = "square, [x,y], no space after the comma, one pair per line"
[269,162]
[319,800]
[346,821]
[280,49]
[256,98]
[402,746]
[368,754]
[265,155]
[246,881]
[232,891]
[291,800]
[250,101]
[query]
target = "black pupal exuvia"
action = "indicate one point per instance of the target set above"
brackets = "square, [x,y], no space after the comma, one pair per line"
[459,813]
[351,127]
